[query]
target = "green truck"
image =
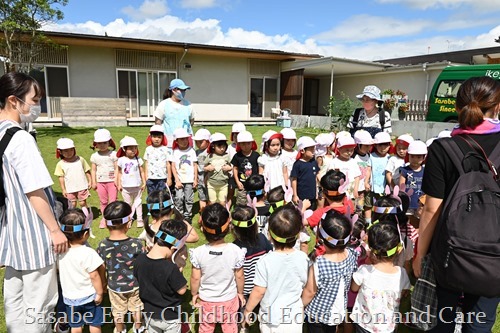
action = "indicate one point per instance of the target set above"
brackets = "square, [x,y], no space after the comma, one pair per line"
[444,91]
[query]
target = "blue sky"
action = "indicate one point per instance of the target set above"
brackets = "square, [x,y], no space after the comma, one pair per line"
[355,29]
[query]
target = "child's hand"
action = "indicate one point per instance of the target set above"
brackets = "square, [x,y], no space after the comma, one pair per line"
[178,184]
[240,186]
[209,168]
[143,186]
[169,182]
[356,194]
[194,301]
[306,203]
[64,193]
[98,299]
[94,186]
[367,187]
[243,301]
[120,188]
[295,199]
[195,184]
[226,168]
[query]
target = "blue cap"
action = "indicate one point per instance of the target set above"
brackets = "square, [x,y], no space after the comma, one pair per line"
[179,84]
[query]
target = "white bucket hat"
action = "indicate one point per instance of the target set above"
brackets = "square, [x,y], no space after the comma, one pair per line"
[245,136]
[217,137]
[362,137]
[444,134]
[288,133]
[405,139]
[65,143]
[345,141]
[382,137]
[202,134]
[305,142]
[128,141]
[102,135]
[417,147]
[372,92]
[156,128]
[238,127]
[181,133]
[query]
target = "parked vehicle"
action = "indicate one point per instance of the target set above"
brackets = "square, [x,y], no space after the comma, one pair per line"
[444,91]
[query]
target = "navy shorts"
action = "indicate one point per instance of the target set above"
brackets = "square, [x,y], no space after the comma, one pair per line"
[155,185]
[85,314]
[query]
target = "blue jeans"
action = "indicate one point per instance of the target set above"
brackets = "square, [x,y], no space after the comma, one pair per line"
[448,300]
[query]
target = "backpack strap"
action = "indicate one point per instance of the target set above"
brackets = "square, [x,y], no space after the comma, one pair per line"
[495,154]
[3,145]
[454,153]
[381,118]
[355,118]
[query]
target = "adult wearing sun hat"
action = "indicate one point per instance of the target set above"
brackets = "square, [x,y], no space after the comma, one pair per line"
[175,111]
[371,117]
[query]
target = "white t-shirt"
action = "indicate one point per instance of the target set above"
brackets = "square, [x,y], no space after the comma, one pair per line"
[157,158]
[364,164]
[105,166]
[284,275]
[74,269]
[184,161]
[74,174]
[131,173]
[289,157]
[393,165]
[378,298]
[349,168]
[231,150]
[217,264]
[273,169]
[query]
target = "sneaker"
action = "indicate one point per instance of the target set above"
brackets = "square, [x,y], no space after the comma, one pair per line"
[140,224]
[102,224]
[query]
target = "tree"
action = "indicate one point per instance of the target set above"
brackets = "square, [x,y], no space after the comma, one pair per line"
[20,22]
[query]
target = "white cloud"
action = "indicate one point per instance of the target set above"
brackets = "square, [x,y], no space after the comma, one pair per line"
[366,27]
[147,10]
[198,4]
[478,5]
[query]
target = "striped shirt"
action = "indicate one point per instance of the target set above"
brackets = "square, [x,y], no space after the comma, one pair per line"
[251,257]
[25,242]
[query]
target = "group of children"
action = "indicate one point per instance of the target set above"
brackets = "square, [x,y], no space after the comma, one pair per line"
[352,193]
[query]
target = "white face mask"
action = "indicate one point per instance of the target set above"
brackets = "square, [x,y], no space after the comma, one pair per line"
[33,114]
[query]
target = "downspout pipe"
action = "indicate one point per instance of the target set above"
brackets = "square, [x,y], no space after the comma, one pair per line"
[427,81]
[180,60]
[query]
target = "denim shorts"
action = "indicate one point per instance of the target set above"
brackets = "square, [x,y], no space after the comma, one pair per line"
[85,314]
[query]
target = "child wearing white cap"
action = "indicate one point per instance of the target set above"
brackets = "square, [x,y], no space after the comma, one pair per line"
[304,172]
[231,150]
[202,142]
[73,172]
[184,171]
[103,163]
[131,178]
[244,163]
[347,165]
[156,165]
[288,151]
[364,142]
[398,160]
[413,173]
[270,163]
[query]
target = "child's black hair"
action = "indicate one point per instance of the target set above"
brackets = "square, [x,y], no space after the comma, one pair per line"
[156,204]
[383,237]
[399,216]
[246,235]
[254,185]
[356,236]
[338,227]
[276,194]
[265,146]
[70,218]
[175,228]
[330,183]
[285,224]
[115,212]
[215,222]
[217,143]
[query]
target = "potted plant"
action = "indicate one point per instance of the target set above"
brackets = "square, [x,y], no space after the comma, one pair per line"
[402,109]
[389,104]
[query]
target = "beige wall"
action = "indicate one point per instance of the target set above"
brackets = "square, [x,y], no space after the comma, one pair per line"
[219,87]
[92,72]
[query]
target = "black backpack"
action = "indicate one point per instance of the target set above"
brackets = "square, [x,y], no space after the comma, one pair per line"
[465,248]
[3,145]
[371,130]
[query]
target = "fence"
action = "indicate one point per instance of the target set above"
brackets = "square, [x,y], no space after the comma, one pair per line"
[417,111]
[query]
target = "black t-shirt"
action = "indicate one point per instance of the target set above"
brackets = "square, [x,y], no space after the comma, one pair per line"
[247,165]
[159,280]
[440,174]
[262,216]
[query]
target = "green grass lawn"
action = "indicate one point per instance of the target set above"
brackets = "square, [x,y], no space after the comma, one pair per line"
[83,138]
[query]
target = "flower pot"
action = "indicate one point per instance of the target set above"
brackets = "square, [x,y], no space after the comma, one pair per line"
[401,115]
